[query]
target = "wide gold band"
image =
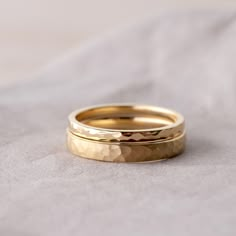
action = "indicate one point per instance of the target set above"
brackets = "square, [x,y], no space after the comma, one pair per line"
[125,152]
[126,133]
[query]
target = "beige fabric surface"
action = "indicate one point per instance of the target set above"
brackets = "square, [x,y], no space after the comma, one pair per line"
[184,61]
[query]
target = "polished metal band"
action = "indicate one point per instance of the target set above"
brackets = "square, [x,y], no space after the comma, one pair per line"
[126,133]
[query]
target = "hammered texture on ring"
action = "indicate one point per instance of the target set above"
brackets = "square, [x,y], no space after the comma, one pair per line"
[126,133]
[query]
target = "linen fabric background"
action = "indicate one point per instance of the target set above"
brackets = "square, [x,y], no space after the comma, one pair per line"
[183,61]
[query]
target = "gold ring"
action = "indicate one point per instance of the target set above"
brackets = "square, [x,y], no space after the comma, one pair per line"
[126,133]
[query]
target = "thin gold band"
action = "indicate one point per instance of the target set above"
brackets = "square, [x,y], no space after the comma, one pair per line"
[126,133]
[126,123]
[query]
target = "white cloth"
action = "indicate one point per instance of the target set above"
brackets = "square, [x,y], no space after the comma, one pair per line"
[184,61]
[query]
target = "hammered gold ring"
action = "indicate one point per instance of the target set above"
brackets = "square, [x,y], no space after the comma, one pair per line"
[126,133]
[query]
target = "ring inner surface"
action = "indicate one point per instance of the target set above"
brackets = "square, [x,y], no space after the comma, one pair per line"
[126,117]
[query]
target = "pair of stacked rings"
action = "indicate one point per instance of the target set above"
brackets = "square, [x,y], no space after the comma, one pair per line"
[126,133]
